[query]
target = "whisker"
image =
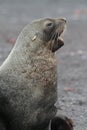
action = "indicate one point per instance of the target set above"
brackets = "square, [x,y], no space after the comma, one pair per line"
[56,36]
[53,37]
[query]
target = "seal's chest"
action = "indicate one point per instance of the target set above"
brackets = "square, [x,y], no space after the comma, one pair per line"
[43,71]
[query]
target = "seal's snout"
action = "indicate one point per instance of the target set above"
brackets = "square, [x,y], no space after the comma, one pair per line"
[57,40]
[60,20]
[63,19]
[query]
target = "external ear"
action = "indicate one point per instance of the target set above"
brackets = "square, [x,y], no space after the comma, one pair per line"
[61,123]
[34,37]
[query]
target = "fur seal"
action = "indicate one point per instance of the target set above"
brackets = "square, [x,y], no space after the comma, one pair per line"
[28,77]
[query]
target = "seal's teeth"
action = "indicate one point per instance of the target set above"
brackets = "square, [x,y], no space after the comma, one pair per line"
[60,38]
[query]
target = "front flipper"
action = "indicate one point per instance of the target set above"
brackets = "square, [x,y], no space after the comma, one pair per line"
[2,125]
[61,122]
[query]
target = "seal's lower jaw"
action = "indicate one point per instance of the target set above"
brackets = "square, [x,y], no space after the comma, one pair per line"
[57,44]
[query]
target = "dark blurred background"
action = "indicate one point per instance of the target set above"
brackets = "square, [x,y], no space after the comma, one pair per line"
[71,59]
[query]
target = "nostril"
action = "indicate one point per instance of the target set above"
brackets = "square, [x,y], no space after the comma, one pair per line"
[64,19]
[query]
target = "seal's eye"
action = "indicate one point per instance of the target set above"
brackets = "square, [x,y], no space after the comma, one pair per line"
[49,24]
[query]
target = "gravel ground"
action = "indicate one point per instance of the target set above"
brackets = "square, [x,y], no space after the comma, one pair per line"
[72,58]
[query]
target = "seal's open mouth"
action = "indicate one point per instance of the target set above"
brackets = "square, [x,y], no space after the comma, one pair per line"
[56,41]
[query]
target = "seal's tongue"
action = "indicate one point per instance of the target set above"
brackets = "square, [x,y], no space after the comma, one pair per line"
[57,44]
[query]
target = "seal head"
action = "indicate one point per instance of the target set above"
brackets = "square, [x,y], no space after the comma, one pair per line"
[52,30]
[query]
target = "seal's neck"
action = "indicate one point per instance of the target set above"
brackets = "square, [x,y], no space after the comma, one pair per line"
[25,52]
